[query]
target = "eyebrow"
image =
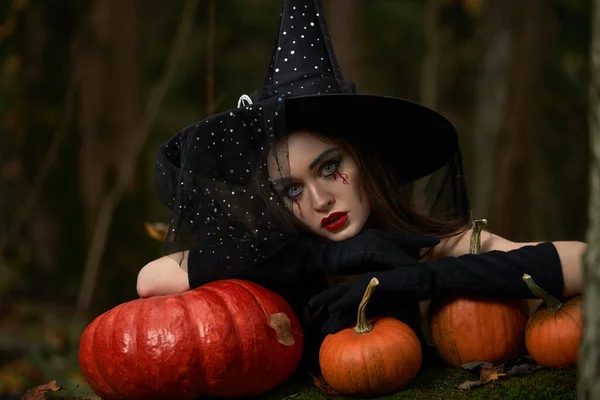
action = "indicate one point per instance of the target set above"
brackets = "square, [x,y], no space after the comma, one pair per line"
[320,158]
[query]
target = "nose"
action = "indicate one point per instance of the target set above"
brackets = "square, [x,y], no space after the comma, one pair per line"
[322,200]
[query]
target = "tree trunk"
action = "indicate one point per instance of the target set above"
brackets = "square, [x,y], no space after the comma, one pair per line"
[430,64]
[343,21]
[108,99]
[490,107]
[589,362]
[517,208]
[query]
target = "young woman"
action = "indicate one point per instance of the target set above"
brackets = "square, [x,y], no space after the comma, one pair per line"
[309,189]
[333,194]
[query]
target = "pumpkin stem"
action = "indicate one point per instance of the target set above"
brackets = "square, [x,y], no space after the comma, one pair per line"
[362,323]
[552,302]
[475,243]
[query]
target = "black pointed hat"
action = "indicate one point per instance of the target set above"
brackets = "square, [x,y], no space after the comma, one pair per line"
[304,73]
[209,173]
[302,60]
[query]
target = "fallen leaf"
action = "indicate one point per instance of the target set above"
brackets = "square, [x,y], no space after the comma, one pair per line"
[156,230]
[281,323]
[324,386]
[490,374]
[37,393]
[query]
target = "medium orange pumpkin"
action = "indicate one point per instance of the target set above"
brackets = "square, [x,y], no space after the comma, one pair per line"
[373,358]
[471,329]
[229,338]
[554,330]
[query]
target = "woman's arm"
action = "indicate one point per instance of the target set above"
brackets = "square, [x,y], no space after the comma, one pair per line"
[570,253]
[164,276]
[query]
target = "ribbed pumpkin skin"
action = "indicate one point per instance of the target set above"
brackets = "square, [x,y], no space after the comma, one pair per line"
[214,340]
[374,363]
[553,338]
[466,330]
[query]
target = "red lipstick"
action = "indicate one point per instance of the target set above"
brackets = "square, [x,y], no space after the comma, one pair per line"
[334,221]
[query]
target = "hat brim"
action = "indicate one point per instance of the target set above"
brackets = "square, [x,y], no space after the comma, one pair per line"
[410,138]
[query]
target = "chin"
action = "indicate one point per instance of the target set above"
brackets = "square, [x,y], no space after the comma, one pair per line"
[343,234]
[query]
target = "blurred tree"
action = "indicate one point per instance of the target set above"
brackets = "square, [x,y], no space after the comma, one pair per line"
[36,115]
[125,169]
[565,130]
[496,37]
[345,25]
[517,209]
[430,65]
[107,68]
[589,368]
[109,97]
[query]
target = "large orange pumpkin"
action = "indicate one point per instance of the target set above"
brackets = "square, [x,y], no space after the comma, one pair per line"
[471,329]
[554,330]
[228,338]
[373,358]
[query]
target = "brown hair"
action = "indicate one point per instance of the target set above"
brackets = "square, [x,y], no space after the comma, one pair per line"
[390,208]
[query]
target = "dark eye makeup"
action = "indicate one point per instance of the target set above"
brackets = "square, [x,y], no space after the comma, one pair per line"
[327,169]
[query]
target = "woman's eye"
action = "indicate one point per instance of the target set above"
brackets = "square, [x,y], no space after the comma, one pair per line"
[329,168]
[293,191]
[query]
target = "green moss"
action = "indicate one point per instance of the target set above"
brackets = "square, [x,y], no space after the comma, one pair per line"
[438,381]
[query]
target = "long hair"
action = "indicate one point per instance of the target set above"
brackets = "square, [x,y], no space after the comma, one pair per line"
[391,210]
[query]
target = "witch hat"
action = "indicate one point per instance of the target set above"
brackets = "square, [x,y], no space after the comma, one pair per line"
[304,73]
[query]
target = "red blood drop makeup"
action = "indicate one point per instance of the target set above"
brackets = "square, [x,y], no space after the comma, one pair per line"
[299,208]
[344,177]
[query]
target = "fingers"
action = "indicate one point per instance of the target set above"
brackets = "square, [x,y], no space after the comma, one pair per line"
[337,322]
[324,298]
[344,304]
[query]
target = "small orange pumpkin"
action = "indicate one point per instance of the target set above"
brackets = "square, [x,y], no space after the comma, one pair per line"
[554,330]
[373,358]
[471,329]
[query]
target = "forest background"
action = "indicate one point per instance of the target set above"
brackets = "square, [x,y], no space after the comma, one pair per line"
[89,89]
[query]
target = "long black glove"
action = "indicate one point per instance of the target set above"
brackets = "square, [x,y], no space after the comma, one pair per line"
[371,250]
[489,275]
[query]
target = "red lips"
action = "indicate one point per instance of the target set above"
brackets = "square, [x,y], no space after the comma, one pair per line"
[334,221]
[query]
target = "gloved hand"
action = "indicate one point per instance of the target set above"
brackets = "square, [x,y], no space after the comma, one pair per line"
[489,275]
[370,250]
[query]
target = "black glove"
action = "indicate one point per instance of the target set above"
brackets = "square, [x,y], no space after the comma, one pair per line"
[489,275]
[371,250]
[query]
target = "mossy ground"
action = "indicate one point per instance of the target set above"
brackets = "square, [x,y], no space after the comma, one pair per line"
[437,380]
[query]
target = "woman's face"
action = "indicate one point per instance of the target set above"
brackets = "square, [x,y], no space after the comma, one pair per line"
[323,189]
